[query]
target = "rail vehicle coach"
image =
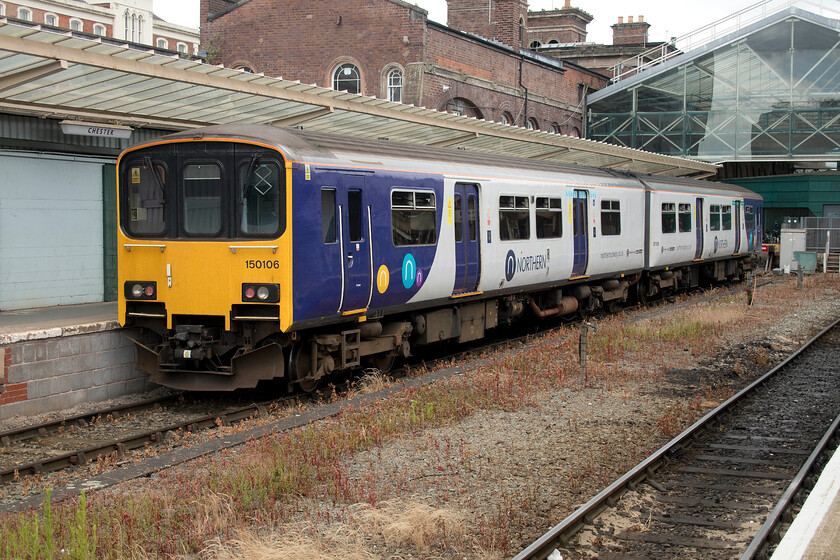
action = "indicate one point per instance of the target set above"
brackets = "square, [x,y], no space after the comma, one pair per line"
[256,252]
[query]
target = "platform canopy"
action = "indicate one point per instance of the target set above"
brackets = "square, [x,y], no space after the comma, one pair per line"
[74,76]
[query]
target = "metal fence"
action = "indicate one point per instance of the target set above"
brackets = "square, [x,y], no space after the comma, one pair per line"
[818,231]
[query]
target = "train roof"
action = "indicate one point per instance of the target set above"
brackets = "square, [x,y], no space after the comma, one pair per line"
[318,147]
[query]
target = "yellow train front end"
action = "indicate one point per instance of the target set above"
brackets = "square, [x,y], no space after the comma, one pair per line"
[205,260]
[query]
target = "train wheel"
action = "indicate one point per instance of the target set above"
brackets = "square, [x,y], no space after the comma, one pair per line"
[384,362]
[300,366]
[642,288]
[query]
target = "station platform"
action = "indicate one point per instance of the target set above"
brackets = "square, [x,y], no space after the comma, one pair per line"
[46,322]
[55,358]
[815,532]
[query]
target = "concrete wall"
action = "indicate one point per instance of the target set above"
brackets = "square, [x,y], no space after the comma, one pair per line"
[46,371]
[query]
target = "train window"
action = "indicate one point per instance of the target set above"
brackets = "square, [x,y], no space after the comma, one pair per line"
[459,226]
[514,218]
[472,218]
[549,218]
[669,217]
[714,217]
[610,217]
[328,215]
[260,203]
[146,188]
[726,217]
[413,218]
[749,213]
[354,215]
[685,217]
[202,202]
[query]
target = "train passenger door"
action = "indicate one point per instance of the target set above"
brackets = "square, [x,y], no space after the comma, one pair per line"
[354,233]
[467,255]
[580,208]
[738,209]
[698,228]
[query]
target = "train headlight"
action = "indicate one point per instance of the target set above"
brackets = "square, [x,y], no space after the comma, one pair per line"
[140,290]
[261,293]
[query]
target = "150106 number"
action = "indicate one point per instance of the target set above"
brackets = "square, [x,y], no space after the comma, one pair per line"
[262,264]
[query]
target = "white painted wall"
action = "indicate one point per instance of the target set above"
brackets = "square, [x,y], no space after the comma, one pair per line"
[50,231]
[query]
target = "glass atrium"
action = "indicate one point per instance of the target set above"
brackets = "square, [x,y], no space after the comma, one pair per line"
[768,92]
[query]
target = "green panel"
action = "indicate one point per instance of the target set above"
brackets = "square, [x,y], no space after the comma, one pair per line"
[109,224]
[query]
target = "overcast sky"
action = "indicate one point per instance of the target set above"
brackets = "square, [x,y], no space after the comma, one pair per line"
[667,17]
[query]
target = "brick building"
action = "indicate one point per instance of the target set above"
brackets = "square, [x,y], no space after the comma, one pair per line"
[476,66]
[129,20]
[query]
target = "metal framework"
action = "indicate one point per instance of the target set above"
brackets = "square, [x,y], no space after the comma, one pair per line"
[70,75]
[769,92]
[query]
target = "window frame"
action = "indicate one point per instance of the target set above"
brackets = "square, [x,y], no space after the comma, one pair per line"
[80,23]
[554,213]
[223,231]
[329,203]
[726,217]
[611,229]
[182,48]
[48,15]
[684,212]
[162,43]
[714,217]
[100,30]
[357,80]
[749,217]
[505,211]
[25,14]
[669,213]
[416,209]
[392,86]
[263,160]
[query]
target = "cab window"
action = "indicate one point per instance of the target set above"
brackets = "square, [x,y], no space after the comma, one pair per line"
[146,182]
[260,200]
[202,198]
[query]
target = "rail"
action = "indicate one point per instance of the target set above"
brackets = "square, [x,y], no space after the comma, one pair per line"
[562,533]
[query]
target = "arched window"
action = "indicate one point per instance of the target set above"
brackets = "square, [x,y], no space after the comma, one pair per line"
[139,36]
[2,9]
[246,69]
[51,19]
[182,48]
[506,118]
[24,14]
[535,44]
[554,129]
[531,124]
[162,43]
[521,30]
[575,133]
[347,78]
[100,30]
[395,85]
[554,42]
[463,107]
[76,25]
[127,18]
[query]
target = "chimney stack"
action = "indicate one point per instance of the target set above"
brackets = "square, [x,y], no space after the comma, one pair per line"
[630,33]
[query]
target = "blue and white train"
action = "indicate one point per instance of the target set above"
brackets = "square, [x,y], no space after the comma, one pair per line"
[256,252]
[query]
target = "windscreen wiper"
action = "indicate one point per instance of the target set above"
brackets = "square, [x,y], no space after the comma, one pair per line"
[246,187]
[148,161]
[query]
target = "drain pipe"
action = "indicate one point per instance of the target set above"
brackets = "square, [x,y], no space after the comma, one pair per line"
[522,85]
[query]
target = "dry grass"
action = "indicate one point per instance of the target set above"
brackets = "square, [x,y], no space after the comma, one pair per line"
[372,381]
[299,543]
[415,524]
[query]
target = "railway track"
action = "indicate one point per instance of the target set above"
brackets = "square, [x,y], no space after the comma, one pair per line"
[107,437]
[725,486]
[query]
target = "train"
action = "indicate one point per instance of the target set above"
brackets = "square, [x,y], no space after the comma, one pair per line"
[255,252]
